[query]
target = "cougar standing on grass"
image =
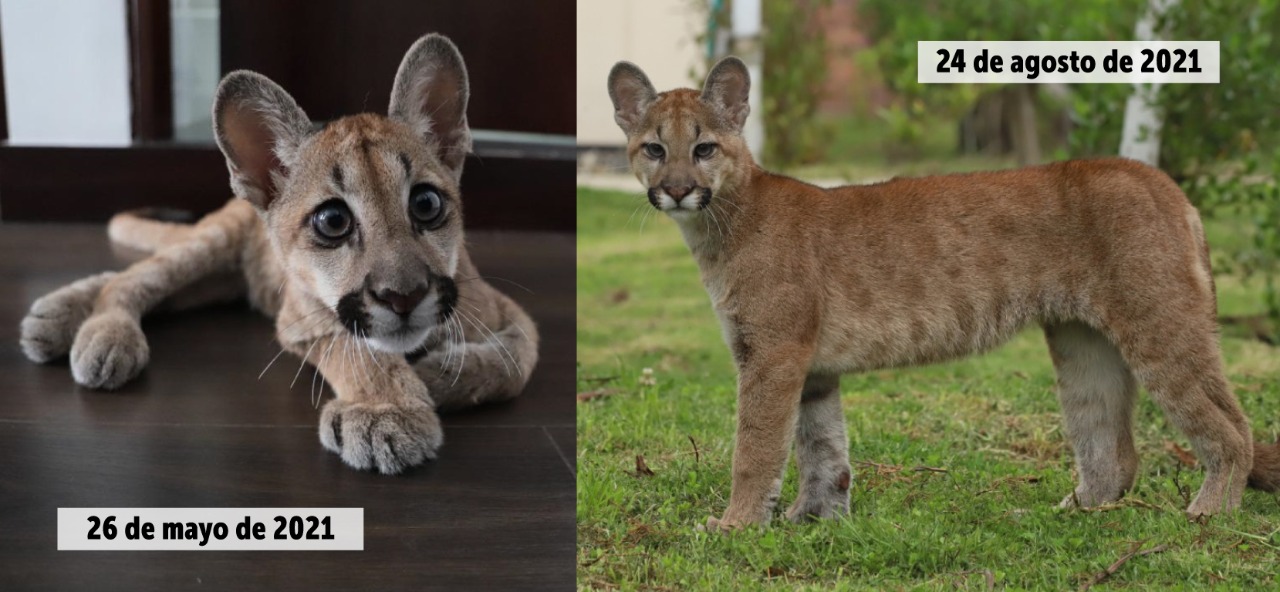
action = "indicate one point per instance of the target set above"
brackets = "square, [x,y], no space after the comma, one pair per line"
[1108,256]
[350,235]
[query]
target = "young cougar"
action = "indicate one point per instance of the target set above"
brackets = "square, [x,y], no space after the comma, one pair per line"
[1108,256]
[349,235]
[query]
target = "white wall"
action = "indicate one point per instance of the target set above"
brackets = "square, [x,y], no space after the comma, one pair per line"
[66,71]
[657,35]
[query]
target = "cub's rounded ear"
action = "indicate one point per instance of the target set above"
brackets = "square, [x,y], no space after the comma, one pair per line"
[726,90]
[430,94]
[631,93]
[259,128]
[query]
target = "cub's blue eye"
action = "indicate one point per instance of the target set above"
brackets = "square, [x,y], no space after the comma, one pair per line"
[426,207]
[332,220]
[655,151]
[704,150]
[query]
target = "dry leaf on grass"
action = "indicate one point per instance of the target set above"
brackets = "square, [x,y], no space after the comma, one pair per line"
[642,468]
[1184,456]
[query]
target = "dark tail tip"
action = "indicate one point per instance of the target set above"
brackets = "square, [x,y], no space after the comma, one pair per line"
[172,215]
[1266,467]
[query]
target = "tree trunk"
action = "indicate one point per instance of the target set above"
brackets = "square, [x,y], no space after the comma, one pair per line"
[1140,139]
[1026,136]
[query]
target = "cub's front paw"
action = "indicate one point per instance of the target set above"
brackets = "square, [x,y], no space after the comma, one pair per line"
[109,350]
[390,437]
[49,329]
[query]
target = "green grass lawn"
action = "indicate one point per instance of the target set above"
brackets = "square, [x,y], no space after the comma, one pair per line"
[991,423]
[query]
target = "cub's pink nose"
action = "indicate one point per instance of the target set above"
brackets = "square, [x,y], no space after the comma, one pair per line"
[677,192]
[401,304]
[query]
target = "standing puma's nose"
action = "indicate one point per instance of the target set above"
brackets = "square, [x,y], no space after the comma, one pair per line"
[677,191]
[401,304]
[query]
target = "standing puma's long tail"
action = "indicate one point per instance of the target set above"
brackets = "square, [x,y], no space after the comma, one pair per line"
[1265,473]
[1266,467]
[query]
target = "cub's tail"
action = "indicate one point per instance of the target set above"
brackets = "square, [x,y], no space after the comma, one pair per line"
[1266,467]
[150,229]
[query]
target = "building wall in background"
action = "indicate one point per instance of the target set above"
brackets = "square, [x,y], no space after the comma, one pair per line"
[658,35]
[66,72]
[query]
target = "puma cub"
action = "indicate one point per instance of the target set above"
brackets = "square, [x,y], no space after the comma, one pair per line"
[350,235]
[1108,256]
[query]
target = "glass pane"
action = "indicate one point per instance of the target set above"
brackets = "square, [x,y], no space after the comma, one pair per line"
[195,67]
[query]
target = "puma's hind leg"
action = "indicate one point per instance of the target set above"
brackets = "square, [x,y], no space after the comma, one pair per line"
[150,229]
[474,359]
[50,327]
[1182,369]
[822,452]
[1097,391]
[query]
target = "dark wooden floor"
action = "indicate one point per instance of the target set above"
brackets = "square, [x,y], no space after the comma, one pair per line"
[198,429]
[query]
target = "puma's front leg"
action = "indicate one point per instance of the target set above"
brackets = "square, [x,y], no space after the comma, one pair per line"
[481,355]
[769,385]
[109,348]
[382,417]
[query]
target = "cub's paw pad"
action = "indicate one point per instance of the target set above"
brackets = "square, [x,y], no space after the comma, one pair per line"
[109,350]
[384,436]
[49,328]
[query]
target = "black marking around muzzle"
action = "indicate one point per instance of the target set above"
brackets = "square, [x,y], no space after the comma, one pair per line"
[704,197]
[653,196]
[351,313]
[447,292]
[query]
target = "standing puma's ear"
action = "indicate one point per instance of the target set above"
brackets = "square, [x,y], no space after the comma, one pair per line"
[430,94]
[631,93]
[726,91]
[259,128]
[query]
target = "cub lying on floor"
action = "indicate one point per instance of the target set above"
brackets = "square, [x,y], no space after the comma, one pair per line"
[1107,255]
[350,235]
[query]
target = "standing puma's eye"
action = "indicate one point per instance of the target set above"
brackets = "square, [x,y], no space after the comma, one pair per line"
[704,150]
[655,151]
[332,220]
[425,206]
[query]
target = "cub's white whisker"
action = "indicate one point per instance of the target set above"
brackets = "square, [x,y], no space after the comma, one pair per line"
[302,364]
[494,338]
[273,360]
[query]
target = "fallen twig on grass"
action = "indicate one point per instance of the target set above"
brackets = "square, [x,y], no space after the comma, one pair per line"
[1015,479]
[1127,502]
[600,379]
[885,469]
[697,457]
[1264,540]
[990,577]
[1184,491]
[1114,567]
[596,394]
[924,469]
